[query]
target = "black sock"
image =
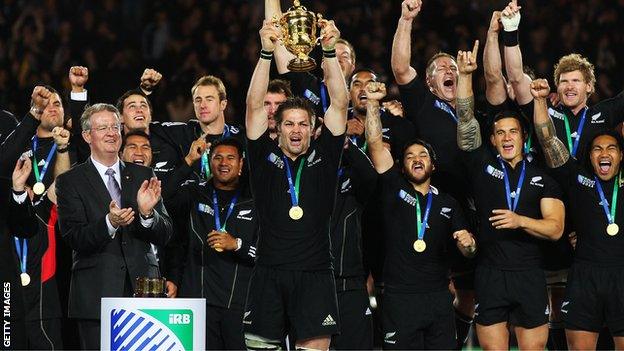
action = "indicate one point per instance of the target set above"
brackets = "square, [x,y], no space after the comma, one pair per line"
[462,326]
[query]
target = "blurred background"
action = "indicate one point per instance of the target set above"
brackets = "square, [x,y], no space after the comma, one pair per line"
[185,39]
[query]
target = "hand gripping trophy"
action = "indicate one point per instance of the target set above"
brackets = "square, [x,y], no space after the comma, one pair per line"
[300,36]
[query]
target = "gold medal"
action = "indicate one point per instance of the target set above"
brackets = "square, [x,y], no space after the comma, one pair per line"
[218,247]
[613,229]
[39,188]
[419,245]
[25,278]
[295,213]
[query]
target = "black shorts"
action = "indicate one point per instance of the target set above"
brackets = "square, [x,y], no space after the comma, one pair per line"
[418,321]
[356,317]
[594,297]
[298,303]
[464,280]
[517,297]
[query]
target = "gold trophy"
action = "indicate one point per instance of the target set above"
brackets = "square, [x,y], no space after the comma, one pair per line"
[150,287]
[299,26]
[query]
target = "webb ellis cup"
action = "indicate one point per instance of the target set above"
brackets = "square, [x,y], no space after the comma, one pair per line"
[299,27]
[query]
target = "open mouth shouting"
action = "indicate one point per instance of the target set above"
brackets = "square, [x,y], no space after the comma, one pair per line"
[604,166]
[508,148]
[139,118]
[295,140]
[418,167]
[224,170]
[139,160]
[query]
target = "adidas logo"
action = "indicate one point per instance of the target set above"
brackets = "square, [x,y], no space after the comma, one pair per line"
[368,311]
[564,304]
[328,321]
[245,315]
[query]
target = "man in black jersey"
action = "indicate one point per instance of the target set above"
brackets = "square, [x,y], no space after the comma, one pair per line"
[430,102]
[421,227]
[213,260]
[519,206]
[292,290]
[575,122]
[595,283]
[34,229]
[357,181]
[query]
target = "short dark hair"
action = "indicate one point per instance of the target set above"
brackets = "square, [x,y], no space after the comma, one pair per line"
[360,70]
[127,94]
[426,145]
[294,103]
[280,86]
[137,132]
[510,114]
[606,132]
[429,70]
[229,141]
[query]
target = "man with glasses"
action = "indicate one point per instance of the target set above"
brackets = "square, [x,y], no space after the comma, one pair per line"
[98,205]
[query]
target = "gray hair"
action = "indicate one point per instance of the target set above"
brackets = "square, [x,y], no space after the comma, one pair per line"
[85,119]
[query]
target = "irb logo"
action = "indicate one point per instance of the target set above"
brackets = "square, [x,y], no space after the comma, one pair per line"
[179,318]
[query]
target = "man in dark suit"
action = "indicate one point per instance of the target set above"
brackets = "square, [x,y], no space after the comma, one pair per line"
[98,202]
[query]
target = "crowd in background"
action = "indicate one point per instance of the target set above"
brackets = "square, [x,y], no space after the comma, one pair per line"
[185,39]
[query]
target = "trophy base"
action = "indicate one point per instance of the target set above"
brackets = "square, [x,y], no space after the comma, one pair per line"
[299,65]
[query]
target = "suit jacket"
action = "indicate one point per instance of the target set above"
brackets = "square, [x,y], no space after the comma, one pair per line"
[100,262]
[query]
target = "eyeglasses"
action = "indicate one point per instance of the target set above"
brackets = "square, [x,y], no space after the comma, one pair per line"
[113,128]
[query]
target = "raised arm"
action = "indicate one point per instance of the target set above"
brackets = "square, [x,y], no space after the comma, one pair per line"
[381,157]
[495,89]
[402,43]
[335,118]
[520,82]
[468,130]
[555,152]
[272,11]
[256,119]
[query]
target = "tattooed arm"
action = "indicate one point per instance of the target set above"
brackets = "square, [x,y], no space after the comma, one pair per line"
[555,151]
[381,157]
[468,130]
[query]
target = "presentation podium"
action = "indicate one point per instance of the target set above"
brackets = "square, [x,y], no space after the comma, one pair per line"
[153,324]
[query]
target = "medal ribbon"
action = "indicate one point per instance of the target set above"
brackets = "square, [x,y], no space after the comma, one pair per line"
[421,226]
[22,252]
[446,108]
[579,130]
[603,200]
[215,204]
[294,188]
[324,100]
[354,141]
[205,165]
[518,187]
[39,176]
[527,144]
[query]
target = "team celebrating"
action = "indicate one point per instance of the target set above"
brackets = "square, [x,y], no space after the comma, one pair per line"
[334,218]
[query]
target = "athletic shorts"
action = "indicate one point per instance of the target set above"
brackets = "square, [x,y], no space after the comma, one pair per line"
[356,321]
[594,298]
[417,321]
[517,297]
[301,304]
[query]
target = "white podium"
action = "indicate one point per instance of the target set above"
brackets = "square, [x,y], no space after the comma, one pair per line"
[153,324]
